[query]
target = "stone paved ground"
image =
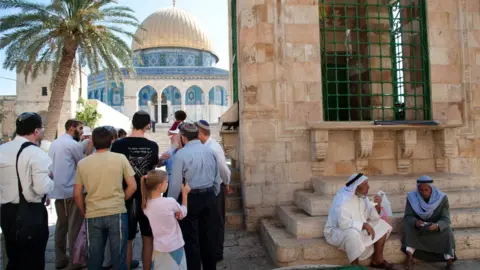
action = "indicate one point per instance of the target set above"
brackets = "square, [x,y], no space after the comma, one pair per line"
[242,251]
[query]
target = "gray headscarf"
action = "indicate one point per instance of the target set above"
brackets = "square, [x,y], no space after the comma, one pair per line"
[425,209]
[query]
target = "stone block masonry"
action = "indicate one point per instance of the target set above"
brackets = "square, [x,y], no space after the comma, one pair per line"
[285,144]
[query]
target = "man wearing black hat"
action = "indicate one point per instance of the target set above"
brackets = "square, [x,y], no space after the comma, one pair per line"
[25,182]
[196,164]
[204,136]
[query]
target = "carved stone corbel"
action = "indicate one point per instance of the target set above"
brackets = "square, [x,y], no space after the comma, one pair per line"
[407,141]
[320,144]
[320,151]
[364,143]
[445,139]
[445,148]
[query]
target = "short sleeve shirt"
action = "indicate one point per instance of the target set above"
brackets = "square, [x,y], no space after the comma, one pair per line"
[102,176]
[142,154]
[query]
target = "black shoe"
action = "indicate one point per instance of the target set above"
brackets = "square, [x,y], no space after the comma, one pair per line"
[134,264]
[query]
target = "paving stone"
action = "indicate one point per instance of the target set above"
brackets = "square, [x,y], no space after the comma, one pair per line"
[239,252]
[261,263]
[230,243]
[248,241]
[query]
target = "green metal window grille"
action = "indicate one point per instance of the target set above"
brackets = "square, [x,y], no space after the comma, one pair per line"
[233,13]
[374,60]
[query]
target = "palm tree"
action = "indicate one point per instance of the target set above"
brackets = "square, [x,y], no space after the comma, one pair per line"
[39,37]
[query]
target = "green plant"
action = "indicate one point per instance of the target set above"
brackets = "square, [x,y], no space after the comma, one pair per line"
[40,37]
[2,115]
[87,113]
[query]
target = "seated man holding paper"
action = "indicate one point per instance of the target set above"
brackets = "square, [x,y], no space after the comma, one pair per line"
[427,234]
[354,224]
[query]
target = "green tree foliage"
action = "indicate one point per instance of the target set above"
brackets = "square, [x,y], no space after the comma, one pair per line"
[2,115]
[38,37]
[87,113]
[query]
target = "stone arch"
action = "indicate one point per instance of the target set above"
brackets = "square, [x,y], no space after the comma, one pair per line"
[148,101]
[195,103]
[170,101]
[116,94]
[218,96]
[104,95]
[217,103]
[194,96]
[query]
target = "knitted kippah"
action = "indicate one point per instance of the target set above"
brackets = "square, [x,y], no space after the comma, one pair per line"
[188,127]
[203,124]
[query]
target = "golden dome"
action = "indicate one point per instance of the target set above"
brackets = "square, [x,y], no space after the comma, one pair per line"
[171,27]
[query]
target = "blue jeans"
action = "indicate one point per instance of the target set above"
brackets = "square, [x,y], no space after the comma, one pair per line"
[115,228]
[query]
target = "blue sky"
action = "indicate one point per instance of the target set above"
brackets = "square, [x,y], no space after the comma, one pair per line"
[211,14]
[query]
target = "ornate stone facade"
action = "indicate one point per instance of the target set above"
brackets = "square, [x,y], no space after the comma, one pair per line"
[285,143]
[174,70]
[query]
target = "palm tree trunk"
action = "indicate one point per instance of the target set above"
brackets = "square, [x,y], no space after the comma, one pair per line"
[81,86]
[59,86]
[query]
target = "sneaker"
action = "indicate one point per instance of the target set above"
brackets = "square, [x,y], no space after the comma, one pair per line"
[134,264]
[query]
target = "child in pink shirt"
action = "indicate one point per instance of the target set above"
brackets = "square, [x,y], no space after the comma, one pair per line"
[162,213]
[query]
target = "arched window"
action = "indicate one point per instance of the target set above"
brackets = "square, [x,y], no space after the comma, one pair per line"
[194,96]
[218,96]
[195,104]
[145,95]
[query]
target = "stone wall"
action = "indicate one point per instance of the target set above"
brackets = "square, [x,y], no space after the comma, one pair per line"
[283,141]
[454,38]
[7,125]
[29,96]
[279,92]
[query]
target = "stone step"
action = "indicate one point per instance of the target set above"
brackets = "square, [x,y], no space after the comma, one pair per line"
[303,226]
[286,250]
[394,184]
[235,176]
[318,205]
[235,220]
[233,203]
[236,187]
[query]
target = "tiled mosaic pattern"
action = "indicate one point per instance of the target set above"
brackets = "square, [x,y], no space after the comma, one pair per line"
[174,58]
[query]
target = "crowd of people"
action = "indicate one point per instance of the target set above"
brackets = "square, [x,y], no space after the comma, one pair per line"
[110,182]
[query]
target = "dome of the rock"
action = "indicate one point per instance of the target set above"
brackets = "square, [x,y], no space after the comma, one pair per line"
[172,28]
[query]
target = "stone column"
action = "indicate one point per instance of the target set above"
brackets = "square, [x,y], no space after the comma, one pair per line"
[131,105]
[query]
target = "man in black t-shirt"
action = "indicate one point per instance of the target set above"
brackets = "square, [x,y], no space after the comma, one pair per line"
[143,156]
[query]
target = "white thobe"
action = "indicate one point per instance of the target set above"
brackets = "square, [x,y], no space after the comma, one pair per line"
[344,229]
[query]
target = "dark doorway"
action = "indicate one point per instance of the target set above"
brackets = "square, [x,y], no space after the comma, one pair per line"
[164,113]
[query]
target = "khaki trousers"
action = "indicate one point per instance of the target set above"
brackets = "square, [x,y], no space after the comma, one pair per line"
[69,223]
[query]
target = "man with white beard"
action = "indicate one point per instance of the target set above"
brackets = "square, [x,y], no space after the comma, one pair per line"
[354,224]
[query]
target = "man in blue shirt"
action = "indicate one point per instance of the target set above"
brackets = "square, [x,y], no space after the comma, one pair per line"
[66,152]
[167,157]
[196,164]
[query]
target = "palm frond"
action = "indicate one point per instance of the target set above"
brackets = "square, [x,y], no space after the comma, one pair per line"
[23,5]
[34,39]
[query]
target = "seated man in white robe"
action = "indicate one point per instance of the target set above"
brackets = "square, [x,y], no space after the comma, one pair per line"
[354,224]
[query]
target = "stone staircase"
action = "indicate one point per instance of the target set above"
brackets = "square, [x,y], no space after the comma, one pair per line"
[235,217]
[296,237]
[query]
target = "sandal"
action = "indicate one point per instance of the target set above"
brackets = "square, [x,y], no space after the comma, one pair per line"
[383,265]
[408,264]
